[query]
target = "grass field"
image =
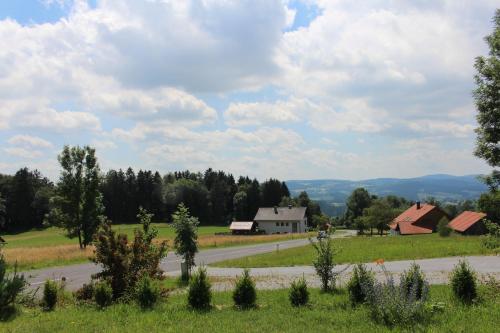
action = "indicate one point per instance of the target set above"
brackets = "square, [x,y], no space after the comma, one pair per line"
[326,313]
[50,247]
[368,249]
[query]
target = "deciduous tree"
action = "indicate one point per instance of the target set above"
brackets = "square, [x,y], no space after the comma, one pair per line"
[487,98]
[78,203]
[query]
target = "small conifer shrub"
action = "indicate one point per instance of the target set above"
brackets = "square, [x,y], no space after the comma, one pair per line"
[244,294]
[199,291]
[361,281]
[50,291]
[464,282]
[299,295]
[147,292]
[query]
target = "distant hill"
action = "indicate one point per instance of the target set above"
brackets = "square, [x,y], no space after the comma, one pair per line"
[332,193]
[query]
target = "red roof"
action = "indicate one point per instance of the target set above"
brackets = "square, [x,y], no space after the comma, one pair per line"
[413,214]
[465,220]
[406,228]
[407,220]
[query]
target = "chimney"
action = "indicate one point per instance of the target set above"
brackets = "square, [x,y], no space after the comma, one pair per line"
[418,204]
[289,206]
[275,210]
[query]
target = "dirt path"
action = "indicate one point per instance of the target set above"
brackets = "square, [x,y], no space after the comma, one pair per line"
[437,271]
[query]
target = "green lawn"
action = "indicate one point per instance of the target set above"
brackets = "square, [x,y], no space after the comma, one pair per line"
[368,249]
[55,236]
[326,313]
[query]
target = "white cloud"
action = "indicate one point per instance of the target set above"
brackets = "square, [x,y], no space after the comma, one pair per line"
[23,153]
[29,141]
[62,120]
[264,114]
[442,128]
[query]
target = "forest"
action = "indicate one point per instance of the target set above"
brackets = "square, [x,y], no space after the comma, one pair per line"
[215,197]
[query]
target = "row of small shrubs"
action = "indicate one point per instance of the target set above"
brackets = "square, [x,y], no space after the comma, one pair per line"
[147,293]
[405,304]
[244,293]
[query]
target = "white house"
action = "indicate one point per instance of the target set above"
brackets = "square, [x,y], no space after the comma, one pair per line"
[281,220]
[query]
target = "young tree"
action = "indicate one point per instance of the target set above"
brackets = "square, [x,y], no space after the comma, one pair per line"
[78,203]
[487,98]
[324,263]
[186,230]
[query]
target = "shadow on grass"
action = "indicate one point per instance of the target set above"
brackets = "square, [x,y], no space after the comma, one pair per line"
[8,313]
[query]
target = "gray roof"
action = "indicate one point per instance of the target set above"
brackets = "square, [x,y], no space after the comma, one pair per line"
[284,214]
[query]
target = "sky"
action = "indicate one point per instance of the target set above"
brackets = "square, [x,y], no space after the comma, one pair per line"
[289,89]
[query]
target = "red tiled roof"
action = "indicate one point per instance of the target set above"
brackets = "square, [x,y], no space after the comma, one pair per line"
[465,220]
[413,214]
[407,220]
[407,228]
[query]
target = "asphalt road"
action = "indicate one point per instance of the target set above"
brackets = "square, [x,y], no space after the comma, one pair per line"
[77,275]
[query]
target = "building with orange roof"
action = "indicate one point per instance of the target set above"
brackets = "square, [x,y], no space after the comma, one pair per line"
[418,219]
[469,223]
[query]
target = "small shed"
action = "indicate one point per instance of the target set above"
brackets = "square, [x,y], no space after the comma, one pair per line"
[469,223]
[242,227]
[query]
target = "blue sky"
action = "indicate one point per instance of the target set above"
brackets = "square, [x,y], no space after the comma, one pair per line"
[288,89]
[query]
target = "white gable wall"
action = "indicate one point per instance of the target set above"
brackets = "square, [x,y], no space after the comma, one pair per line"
[281,227]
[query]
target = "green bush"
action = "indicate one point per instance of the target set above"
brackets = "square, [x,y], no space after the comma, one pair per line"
[392,305]
[199,293]
[244,294]
[147,292]
[10,289]
[50,292]
[413,281]
[443,229]
[124,262]
[361,281]
[86,292]
[464,282]
[324,263]
[492,239]
[103,294]
[299,295]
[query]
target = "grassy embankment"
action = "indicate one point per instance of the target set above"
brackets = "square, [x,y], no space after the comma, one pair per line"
[49,247]
[368,249]
[325,313]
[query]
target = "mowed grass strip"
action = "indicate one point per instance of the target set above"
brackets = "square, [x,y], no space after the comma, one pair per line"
[49,247]
[325,313]
[368,249]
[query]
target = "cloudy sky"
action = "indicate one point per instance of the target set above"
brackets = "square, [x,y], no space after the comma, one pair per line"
[287,89]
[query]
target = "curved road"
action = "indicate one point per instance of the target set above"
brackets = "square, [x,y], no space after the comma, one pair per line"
[77,275]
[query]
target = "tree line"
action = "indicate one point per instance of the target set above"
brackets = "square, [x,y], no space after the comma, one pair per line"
[83,193]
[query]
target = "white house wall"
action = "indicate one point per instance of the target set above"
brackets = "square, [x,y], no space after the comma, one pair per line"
[270,227]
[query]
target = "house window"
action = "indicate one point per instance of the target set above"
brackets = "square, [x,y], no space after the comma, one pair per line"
[287,224]
[277,224]
[282,224]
